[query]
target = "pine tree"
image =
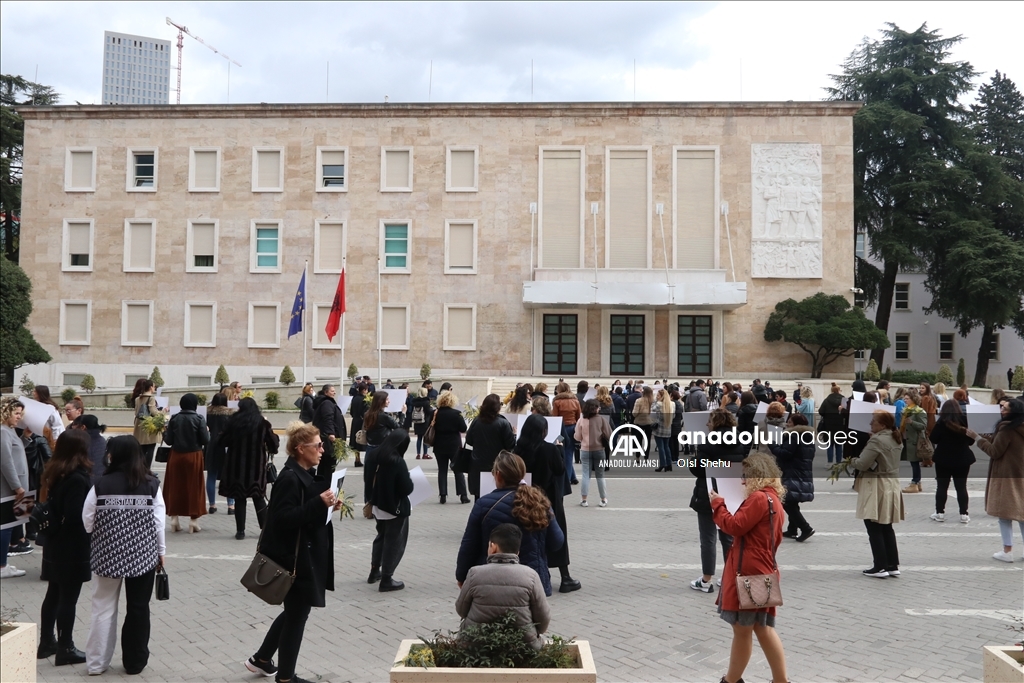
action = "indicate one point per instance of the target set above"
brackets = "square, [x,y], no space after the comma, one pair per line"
[872,374]
[158,380]
[961,373]
[89,383]
[944,375]
[352,370]
[425,372]
[287,377]
[887,375]
[221,376]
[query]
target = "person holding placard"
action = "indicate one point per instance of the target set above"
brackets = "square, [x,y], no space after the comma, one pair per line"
[357,409]
[489,434]
[879,501]
[953,459]
[54,425]
[832,422]
[145,405]
[913,425]
[449,430]
[520,402]
[806,405]
[1004,486]
[774,423]
[328,418]
[390,486]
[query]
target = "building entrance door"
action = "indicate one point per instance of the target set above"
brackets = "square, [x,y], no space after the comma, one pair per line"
[695,345]
[560,344]
[627,345]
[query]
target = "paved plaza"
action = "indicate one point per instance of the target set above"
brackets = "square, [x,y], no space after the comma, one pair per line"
[634,559]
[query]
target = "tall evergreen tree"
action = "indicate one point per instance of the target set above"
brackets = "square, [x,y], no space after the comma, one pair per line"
[904,138]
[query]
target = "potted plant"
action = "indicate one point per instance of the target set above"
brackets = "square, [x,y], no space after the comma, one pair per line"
[1002,663]
[18,643]
[492,652]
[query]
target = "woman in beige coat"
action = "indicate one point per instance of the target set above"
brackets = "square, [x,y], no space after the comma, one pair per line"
[879,500]
[145,405]
[1004,489]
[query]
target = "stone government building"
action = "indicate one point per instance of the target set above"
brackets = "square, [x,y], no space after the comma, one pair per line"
[576,239]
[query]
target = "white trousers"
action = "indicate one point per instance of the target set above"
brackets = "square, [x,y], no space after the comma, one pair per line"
[103,630]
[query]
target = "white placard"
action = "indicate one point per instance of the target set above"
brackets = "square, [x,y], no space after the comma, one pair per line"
[396,398]
[36,415]
[858,395]
[983,419]
[159,390]
[233,405]
[421,488]
[729,484]
[200,410]
[487,482]
[860,414]
[775,433]
[163,402]
[473,401]
[517,424]
[656,387]
[337,481]
[696,422]
[591,393]
[344,402]
[762,413]
[974,402]
[554,428]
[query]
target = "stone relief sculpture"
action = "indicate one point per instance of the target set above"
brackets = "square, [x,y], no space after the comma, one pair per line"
[786,210]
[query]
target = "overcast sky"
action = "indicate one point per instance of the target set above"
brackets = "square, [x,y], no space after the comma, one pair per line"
[482,52]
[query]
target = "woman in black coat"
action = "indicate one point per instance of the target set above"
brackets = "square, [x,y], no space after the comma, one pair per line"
[489,435]
[832,422]
[66,553]
[305,403]
[216,421]
[449,428]
[249,441]
[953,459]
[418,418]
[795,457]
[546,463]
[358,410]
[298,507]
[390,488]
[745,415]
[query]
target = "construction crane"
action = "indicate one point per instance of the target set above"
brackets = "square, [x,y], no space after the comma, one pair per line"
[181,43]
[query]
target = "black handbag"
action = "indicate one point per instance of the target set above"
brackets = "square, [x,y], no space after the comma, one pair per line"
[268,580]
[162,584]
[42,517]
[463,461]
[163,454]
[271,472]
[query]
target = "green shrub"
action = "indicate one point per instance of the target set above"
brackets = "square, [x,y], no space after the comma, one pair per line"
[872,373]
[26,385]
[1018,378]
[221,376]
[961,373]
[913,377]
[887,375]
[89,383]
[158,380]
[944,375]
[287,377]
[273,400]
[68,394]
[128,401]
[202,399]
[425,372]
[352,370]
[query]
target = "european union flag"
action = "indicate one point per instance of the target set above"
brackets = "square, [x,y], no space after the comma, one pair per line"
[298,308]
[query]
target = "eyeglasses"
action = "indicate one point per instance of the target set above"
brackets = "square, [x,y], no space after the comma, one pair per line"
[318,445]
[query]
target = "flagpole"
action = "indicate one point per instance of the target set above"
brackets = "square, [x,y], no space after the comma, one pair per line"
[342,379]
[305,268]
[380,374]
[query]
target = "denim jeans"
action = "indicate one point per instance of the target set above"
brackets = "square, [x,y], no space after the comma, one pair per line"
[1006,531]
[834,448]
[211,488]
[421,448]
[915,472]
[664,451]
[586,457]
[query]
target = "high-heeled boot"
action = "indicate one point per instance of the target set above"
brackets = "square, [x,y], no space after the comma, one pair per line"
[68,655]
[193,526]
[47,647]
[175,524]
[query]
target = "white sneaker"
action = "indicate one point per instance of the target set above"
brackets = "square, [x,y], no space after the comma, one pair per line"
[584,504]
[939,516]
[699,585]
[10,572]
[603,503]
[964,519]
[1003,556]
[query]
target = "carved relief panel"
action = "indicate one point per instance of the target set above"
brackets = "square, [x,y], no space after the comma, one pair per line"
[786,238]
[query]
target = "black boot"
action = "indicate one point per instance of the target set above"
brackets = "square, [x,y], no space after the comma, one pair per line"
[569,585]
[374,576]
[68,655]
[443,498]
[389,584]
[47,647]
[463,499]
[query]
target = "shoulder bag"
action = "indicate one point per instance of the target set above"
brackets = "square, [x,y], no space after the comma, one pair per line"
[463,461]
[428,437]
[268,580]
[361,437]
[759,591]
[925,450]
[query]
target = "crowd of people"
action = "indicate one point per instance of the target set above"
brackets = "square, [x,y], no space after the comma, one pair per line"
[102,489]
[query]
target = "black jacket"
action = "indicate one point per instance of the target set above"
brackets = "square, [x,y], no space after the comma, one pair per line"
[745,418]
[37,454]
[831,414]
[700,501]
[97,453]
[547,465]
[487,439]
[66,553]
[327,417]
[419,428]
[952,445]
[187,432]
[216,420]
[448,426]
[357,409]
[305,406]
[796,460]
[392,485]
[385,425]
[296,517]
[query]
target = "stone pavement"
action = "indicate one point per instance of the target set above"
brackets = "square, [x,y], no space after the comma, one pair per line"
[634,559]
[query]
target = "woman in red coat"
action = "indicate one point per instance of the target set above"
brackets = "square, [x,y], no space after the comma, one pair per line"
[756,533]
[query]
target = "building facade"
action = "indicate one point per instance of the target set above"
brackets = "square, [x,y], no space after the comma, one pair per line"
[562,240]
[136,69]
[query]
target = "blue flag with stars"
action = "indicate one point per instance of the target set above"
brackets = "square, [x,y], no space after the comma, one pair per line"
[298,308]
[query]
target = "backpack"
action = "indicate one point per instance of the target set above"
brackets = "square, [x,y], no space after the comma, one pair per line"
[418,415]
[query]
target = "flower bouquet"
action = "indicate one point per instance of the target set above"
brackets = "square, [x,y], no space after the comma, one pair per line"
[840,468]
[154,423]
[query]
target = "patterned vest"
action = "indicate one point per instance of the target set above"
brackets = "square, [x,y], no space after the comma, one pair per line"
[124,535]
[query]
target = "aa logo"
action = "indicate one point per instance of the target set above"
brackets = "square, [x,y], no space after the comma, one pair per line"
[629,442]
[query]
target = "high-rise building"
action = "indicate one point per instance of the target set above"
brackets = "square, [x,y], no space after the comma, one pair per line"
[136,69]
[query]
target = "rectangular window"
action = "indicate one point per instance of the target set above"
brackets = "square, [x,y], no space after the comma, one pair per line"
[78,245]
[859,300]
[396,169]
[139,246]
[329,246]
[460,247]
[394,326]
[267,169]
[902,346]
[560,219]
[204,169]
[75,319]
[901,296]
[627,210]
[694,345]
[627,345]
[80,169]
[330,169]
[993,350]
[256,379]
[462,170]
[136,323]
[460,327]
[395,238]
[201,246]
[199,380]
[264,325]
[201,323]
[946,349]
[695,209]
[860,249]
[265,254]
[321,312]
[560,344]
[141,167]
[73,379]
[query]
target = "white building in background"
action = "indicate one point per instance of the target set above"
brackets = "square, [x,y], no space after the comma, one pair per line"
[136,69]
[924,341]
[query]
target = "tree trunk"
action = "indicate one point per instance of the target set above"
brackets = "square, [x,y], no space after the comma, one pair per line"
[981,373]
[885,293]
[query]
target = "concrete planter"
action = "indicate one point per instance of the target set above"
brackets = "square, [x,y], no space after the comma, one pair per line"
[586,673]
[1003,664]
[18,664]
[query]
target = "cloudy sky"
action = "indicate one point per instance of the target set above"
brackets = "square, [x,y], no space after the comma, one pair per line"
[483,51]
